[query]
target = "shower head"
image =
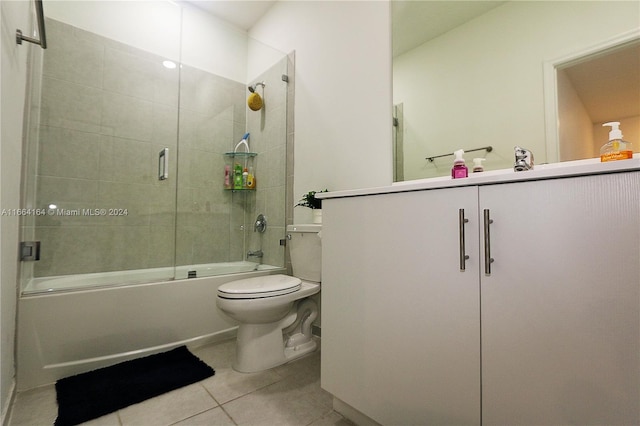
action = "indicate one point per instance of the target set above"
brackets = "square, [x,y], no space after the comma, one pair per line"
[253,87]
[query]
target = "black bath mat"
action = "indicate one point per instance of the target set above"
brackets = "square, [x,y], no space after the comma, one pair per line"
[96,393]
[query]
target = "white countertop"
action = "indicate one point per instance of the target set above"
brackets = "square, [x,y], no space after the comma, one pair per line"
[591,166]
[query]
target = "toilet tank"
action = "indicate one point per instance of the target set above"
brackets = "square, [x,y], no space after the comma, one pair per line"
[305,249]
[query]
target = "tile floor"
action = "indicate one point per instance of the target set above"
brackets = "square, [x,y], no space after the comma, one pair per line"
[286,395]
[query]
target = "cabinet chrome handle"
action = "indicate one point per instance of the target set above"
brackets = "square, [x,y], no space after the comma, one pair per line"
[488,260]
[163,164]
[461,222]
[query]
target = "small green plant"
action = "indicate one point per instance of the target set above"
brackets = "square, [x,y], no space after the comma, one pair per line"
[309,200]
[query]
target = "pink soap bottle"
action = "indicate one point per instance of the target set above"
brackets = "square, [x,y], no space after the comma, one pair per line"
[459,170]
[227,177]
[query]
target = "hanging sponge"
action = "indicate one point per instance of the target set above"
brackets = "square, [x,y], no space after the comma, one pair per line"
[254,101]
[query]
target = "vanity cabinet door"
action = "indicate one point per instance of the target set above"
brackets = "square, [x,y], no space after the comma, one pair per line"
[400,320]
[560,310]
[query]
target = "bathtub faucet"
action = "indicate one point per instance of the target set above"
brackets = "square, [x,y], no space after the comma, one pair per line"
[257,253]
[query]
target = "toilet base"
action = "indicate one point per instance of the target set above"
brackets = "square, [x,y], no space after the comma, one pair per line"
[263,346]
[297,351]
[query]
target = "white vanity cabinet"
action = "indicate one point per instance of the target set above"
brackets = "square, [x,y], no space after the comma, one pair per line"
[561,308]
[551,336]
[401,325]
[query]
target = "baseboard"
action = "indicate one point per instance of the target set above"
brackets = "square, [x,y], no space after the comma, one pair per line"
[8,405]
[48,374]
[352,414]
[213,338]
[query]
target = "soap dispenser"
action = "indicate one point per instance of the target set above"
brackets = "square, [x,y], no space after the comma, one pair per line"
[459,169]
[616,148]
[477,165]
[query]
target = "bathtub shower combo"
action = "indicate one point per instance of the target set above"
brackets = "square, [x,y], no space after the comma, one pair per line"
[129,147]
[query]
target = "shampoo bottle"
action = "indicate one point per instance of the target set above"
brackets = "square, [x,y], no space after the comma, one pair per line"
[245,180]
[227,177]
[251,179]
[616,148]
[237,177]
[459,170]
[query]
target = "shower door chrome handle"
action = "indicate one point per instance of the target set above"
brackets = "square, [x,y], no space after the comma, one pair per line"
[461,222]
[163,164]
[488,260]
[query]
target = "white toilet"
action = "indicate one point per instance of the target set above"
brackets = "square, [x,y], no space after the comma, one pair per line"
[274,311]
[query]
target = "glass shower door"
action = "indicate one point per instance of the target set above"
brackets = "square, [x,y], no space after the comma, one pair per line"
[216,232]
[129,136]
[107,110]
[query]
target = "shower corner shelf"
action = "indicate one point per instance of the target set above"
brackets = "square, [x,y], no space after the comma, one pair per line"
[240,154]
[248,162]
[240,189]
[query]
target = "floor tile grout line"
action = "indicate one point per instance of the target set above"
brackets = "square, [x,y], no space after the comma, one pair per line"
[210,394]
[324,415]
[253,391]
[220,405]
[229,415]
[197,414]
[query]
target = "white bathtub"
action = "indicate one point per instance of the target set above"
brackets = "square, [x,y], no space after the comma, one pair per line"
[138,276]
[62,333]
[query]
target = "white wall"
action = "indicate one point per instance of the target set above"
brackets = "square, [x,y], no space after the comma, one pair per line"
[482,83]
[342,94]
[13,66]
[575,130]
[213,45]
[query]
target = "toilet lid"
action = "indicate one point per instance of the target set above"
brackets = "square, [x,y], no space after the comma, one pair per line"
[264,286]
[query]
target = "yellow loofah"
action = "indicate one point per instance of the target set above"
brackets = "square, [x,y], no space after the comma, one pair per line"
[254,101]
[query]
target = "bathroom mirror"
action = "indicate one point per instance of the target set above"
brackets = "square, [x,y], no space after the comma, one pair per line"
[471,74]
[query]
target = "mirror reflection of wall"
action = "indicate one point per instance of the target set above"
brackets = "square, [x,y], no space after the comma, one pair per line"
[480,81]
[598,89]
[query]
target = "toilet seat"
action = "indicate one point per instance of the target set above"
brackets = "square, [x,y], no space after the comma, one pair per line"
[260,287]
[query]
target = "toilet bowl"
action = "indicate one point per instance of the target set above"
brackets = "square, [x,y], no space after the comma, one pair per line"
[274,319]
[275,312]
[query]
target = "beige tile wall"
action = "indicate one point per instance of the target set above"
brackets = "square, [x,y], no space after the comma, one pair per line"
[107,110]
[212,117]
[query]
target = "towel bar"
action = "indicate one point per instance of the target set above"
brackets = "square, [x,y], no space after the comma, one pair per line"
[41,31]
